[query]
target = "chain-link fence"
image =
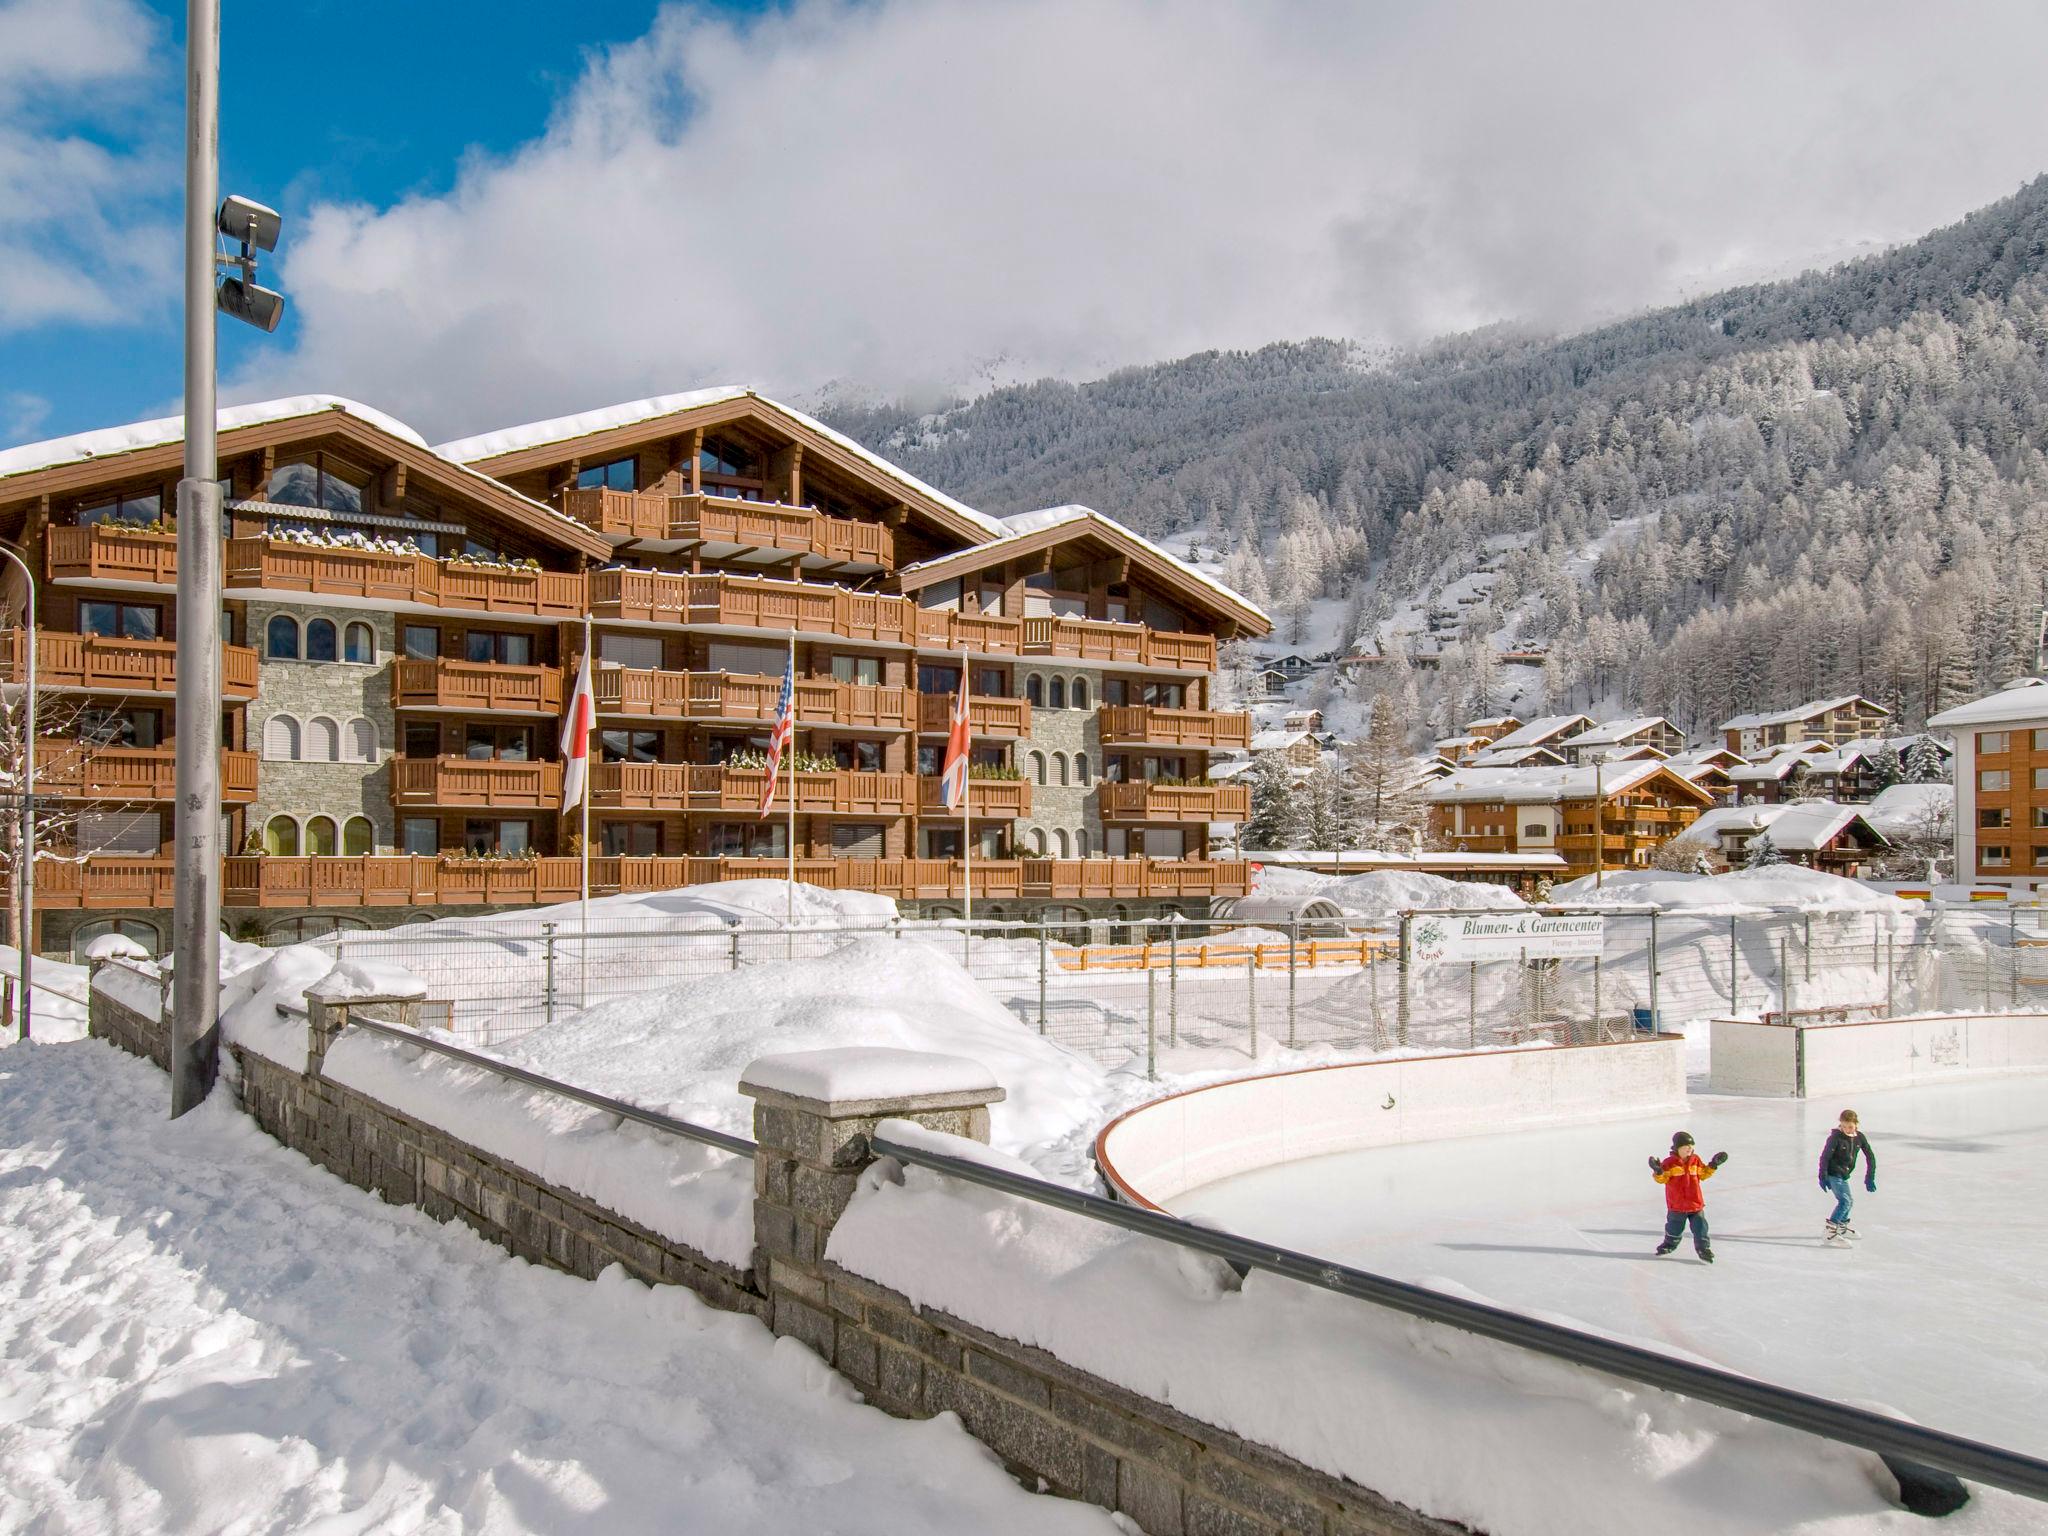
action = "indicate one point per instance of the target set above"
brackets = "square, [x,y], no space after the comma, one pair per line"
[1222,990]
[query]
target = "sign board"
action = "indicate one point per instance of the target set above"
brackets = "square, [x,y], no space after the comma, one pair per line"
[1462,936]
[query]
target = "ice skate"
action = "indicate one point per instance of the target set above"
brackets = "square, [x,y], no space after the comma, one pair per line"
[1848,1233]
[1670,1246]
[1706,1255]
[1836,1232]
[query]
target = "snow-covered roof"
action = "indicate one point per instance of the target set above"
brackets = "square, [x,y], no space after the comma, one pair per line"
[1371,858]
[1537,733]
[1804,826]
[1473,725]
[1514,757]
[1613,732]
[1458,741]
[1906,808]
[1022,525]
[1770,769]
[1797,713]
[1278,741]
[2024,700]
[560,429]
[103,442]
[1540,786]
[107,442]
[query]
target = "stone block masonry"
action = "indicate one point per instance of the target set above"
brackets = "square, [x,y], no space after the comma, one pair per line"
[1056,1427]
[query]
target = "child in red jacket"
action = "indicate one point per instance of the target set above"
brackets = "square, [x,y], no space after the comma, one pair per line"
[1685,1204]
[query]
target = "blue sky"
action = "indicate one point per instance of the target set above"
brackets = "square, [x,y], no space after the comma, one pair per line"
[497,210]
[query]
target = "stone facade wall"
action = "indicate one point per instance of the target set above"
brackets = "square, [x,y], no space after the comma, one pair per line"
[1072,807]
[1059,1429]
[342,691]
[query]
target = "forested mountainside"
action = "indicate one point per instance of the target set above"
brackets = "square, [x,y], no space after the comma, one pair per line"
[1835,483]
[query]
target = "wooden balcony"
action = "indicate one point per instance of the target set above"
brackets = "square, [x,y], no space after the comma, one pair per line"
[113,553]
[985,717]
[729,791]
[105,880]
[1125,879]
[1142,800]
[752,602]
[380,577]
[1131,645]
[494,783]
[74,771]
[981,634]
[725,522]
[483,687]
[619,514]
[1202,729]
[744,696]
[99,664]
[987,799]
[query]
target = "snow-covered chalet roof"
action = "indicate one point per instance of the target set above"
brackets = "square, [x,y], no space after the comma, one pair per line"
[1908,808]
[1513,757]
[2025,700]
[1541,732]
[1540,786]
[1278,741]
[1610,733]
[1797,713]
[561,429]
[1804,826]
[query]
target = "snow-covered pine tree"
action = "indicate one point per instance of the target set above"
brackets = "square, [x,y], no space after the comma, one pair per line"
[1761,853]
[1276,809]
[1924,763]
[1885,767]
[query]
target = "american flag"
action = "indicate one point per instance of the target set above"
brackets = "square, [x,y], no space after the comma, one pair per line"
[953,776]
[785,727]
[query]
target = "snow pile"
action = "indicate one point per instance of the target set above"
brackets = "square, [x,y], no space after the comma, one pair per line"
[135,987]
[351,980]
[681,1049]
[725,903]
[847,1074]
[1394,1404]
[1386,893]
[1775,887]
[115,946]
[1907,810]
[60,999]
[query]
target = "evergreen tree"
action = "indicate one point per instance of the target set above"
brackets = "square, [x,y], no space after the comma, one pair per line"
[1885,767]
[1322,812]
[1276,811]
[1761,853]
[1924,763]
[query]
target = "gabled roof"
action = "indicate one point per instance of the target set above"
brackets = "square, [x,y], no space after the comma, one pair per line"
[145,445]
[2026,699]
[1804,826]
[1540,733]
[1028,532]
[1798,712]
[1516,757]
[509,450]
[1278,741]
[1546,786]
[1609,733]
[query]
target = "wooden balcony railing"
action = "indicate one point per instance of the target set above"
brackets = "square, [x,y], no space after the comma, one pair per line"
[752,602]
[106,880]
[822,794]
[473,685]
[100,664]
[462,781]
[987,634]
[621,514]
[985,717]
[283,565]
[113,552]
[1144,725]
[75,771]
[1132,645]
[1123,879]
[745,696]
[773,525]
[987,799]
[1142,800]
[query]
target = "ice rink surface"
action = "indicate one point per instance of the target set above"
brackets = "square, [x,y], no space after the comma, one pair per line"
[1939,1314]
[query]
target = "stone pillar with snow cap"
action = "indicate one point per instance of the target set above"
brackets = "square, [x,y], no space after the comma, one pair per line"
[813,1114]
[372,989]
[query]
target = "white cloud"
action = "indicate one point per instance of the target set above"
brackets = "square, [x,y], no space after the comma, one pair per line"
[896,192]
[22,415]
[84,232]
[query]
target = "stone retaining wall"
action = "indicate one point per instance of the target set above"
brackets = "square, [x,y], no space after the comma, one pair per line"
[1056,1427]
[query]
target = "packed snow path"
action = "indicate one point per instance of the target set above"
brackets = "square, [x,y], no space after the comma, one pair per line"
[203,1332]
[1933,1315]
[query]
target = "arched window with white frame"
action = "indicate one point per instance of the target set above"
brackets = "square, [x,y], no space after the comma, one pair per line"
[1056,694]
[321,838]
[1080,767]
[281,638]
[360,741]
[320,640]
[357,837]
[1038,767]
[1034,690]
[1059,766]
[1038,841]
[359,644]
[281,739]
[1080,694]
[1059,840]
[281,837]
[323,740]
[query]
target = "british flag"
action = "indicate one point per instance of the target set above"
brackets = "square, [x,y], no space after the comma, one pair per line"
[785,727]
[953,775]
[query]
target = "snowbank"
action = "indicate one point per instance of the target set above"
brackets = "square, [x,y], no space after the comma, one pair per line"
[747,903]
[1905,810]
[1385,892]
[250,996]
[681,1049]
[60,1000]
[1779,887]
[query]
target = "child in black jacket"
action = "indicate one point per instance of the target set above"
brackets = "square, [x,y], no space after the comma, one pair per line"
[1838,1166]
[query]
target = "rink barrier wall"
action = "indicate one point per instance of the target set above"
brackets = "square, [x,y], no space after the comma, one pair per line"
[1788,1059]
[1161,1150]
[1055,1427]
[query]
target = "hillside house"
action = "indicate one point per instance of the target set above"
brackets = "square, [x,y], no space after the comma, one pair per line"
[1819,834]
[2001,786]
[1603,815]
[1615,740]
[1831,722]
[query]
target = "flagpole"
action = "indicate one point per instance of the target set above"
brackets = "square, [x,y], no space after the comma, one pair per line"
[789,909]
[591,682]
[967,806]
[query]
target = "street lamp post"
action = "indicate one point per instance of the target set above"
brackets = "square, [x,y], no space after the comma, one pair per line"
[25,834]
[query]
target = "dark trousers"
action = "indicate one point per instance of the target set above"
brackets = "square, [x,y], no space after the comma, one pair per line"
[1675,1223]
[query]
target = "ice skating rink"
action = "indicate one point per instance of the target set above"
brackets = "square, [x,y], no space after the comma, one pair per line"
[1939,1314]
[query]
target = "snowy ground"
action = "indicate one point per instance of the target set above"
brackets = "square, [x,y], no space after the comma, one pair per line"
[1916,1319]
[203,1333]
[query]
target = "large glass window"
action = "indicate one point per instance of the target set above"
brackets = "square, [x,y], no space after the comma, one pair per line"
[630,839]
[508,648]
[861,756]
[320,640]
[508,743]
[138,507]
[1989,742]
[122,621]
[359,645]
[747,840]
[420,835]
[990,683]
[618,475]
[319,480]
[120,727]
[483,836]
[281,638]
[357,837]
[934,679]
[629,746]
[422,642]
[722,458]
[857,669]
[422,738]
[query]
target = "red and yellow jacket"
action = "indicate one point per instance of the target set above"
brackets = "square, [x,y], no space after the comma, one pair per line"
[1681,1175]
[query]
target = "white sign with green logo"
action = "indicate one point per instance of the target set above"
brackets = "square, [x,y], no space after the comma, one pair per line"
[1465,936]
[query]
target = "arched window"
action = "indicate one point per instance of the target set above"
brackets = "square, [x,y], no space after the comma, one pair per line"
[357,838]
[323,740]
[1056,694]
[1038,767]
[1034,690]
[361,741]
[1080,767]
[360,644]
[320,837]
[1081,844]
[148,935]
[281,739]
[1059,842]
[281,638]
[1080,693]
[320,640]
[281,837]
[1038,841]
[1059,765]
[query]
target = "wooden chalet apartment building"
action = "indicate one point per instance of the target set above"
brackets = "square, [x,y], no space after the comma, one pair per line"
[403,624]
[1612,815]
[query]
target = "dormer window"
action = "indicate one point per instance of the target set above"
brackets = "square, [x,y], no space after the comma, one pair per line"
[318,480]
[618,475]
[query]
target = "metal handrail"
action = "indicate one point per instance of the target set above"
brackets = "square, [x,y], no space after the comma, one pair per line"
[1907,1448]
[724,1140]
